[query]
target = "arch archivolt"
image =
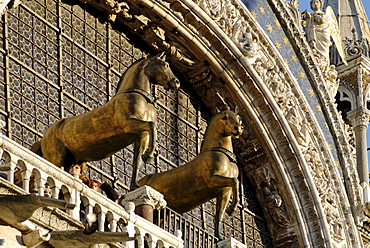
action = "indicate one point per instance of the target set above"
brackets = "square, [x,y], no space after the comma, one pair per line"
[217,46]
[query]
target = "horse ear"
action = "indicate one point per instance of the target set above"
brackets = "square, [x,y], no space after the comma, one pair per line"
[236,110]
[161,56]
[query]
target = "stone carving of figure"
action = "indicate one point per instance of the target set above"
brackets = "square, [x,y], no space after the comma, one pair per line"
[296,122]
[320,26]
[273,205]
[285,99]
[332,80]
[231,19]
[263,176]
[246,41]
[260,68]
[211,7]
[115,7]
[278,88]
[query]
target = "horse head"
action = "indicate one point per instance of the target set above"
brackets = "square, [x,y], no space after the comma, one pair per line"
[160,72]
[231,123]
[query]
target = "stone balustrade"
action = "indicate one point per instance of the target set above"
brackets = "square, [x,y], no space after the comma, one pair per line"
[111,216]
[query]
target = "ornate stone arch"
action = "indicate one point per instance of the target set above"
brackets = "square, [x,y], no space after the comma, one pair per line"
[212,56]
[205,47]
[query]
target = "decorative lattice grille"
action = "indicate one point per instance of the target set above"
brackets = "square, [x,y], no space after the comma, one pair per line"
[58,60]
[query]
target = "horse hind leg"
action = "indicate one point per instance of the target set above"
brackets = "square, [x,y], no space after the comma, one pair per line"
[55,152]
[36,148]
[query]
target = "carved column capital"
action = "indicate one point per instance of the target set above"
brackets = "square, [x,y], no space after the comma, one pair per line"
[230,243]
[359,117]
[145,195]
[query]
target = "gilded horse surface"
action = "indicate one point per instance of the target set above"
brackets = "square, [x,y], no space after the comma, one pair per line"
[212,174]
[128,118]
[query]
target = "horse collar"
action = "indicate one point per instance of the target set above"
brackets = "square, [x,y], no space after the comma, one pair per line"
[230,155]
[145,94]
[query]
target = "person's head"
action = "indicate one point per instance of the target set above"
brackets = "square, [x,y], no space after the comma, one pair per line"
[75,170]
[316,4]
[96,185]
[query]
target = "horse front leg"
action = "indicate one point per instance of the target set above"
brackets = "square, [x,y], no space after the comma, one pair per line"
[149,155]
[235,188]
[139,149]
[140,126]
[229,187]
[222,201]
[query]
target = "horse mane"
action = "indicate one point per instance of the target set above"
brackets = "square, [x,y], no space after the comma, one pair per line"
[209,127]
[130,67]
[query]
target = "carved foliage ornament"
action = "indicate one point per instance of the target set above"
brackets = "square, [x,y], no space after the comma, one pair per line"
[359,117]
[356,46]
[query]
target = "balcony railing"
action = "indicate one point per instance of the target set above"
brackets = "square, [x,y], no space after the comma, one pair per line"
[52,181]
[193,235]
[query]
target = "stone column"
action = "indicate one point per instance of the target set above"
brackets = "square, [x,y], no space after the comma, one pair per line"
[75,198]
[12,166]
[40,184]
[101,221]
[146,199]
[26,175]
[130,227]
[359,119]
[55,192]
[113,225]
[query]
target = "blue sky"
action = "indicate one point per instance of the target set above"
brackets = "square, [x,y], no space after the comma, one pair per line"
[305,4]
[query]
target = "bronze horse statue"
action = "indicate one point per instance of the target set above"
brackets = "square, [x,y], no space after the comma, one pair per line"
[212,174]
[128,118]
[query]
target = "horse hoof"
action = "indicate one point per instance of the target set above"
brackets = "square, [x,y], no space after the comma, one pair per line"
[231,210]
[134,186]
[148,159]
[220,236]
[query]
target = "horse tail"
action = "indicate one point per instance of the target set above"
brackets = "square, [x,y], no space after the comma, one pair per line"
[36,148]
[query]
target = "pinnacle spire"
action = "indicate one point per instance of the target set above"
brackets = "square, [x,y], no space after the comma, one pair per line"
[352,19]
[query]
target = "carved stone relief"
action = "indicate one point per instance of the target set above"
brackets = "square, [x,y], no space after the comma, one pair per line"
[246,40]
[274,208]
[328,197]
[334,120]
[285,98]
[212,7]
[227,15]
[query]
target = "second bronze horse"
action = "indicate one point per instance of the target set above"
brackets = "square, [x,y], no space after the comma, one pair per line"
[212,174]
